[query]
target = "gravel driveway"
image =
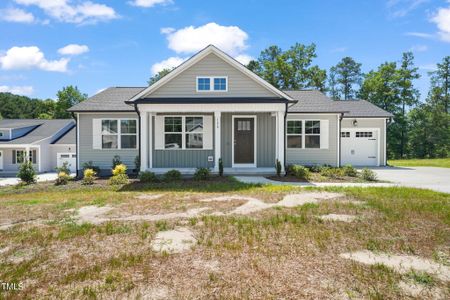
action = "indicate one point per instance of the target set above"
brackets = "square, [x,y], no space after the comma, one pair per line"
[437,179]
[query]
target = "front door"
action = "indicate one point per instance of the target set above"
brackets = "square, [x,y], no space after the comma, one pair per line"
[1,160]
[244,141]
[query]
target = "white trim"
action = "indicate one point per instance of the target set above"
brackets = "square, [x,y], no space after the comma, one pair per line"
[119,133]
[184,132]
[209,108]
[78,143]
[199,56]
[368,129]
[303,134]
[143,141]
[385,142]
[280,142]
[217,139]
[150,140]
[338,142]
[211,84]
[255,124]
[2,159]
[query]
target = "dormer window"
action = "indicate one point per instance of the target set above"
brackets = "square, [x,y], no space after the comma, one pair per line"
[212,84]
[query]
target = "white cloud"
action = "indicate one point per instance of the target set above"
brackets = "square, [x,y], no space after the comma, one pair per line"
[243,58]
[428,67]
[419,48]
[16,15]
[401,8]
[18,90]
[31,58]
[442,20]
[150,3]
[420,35]
[169,63]
[339,50]
[63,11]
[188,40]
[73,49]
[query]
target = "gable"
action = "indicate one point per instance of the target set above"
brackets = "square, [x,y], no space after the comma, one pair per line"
[185,83]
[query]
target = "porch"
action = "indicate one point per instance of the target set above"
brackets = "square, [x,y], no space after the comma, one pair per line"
[12,156]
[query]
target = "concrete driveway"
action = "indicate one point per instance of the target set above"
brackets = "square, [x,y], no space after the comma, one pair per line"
[40,178]
[437,179]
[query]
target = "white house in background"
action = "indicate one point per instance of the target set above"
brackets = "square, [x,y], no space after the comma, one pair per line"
[212,107]
[46,143]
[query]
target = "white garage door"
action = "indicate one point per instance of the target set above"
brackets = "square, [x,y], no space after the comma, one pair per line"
[70,158]
[359,147]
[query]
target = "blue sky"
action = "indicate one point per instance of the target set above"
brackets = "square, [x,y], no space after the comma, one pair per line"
[48,44]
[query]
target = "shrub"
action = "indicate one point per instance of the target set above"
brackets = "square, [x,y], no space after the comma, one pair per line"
[27,174]
[118,179]
[116,161]
[349,171]
[314,168]
[368,175]
[62,179]
[64,168]
[332,172]
[89,176]
[201,174]
[137,163]
[172,175]
[220,167]
[300,172]
[147,177]
[90,165]
[278,167]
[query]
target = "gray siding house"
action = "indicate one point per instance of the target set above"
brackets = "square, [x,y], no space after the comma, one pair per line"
[212,107]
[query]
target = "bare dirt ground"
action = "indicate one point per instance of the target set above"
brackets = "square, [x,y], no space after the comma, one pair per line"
[246,242]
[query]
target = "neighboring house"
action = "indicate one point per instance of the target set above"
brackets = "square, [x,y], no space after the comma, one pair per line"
[212,107]
[36,140]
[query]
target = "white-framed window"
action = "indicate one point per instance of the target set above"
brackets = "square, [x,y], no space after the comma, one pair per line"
[294,133]
[345,134]
[312,134]
[183,132]
[119,133]
[364,134]
[212,84]
[19,156]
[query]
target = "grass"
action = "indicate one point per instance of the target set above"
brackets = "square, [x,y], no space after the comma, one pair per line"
[275,253]
[426,162]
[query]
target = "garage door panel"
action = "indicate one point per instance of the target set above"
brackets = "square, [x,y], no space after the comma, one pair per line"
[359,147]
[70,158]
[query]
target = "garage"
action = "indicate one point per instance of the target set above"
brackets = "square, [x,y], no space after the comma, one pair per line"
[359,147]
[70,158]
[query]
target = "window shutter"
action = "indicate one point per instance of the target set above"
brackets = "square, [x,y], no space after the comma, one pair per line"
[324,134]
[159,132]
[34,156]
[208,132]
[97,134]
[14,157]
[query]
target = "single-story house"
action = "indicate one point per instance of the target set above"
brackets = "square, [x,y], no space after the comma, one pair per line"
[212,107]
[46,143]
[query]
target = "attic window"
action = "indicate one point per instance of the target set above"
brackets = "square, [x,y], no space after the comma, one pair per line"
[212,84]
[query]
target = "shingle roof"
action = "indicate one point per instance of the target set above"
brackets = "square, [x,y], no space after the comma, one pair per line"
[44,129]
[19,123]
[311,101]
[111,99]
[68,138]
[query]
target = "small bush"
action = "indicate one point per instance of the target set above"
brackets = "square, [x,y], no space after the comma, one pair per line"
[220,167]
[64,168]
[89,176]
[332,172]
[118,179]
[299,172]
[202,174]
[368,175]
[349,171]
[147,177]
[116,161]
[137,163]
[27,174]
[119,170]
[314,168]
[62,179]
[278,167]
[172,175]
[90,165]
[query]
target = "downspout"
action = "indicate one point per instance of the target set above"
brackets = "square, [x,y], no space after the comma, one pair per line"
[339,138]
[284,138]
[139,140]
[76,143]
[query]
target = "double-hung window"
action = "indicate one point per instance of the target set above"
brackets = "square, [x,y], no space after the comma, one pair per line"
[194,132]
[183,132]
[173,132]
[19,156]
[212,84]
[119,134]
[312,134]
[294,134]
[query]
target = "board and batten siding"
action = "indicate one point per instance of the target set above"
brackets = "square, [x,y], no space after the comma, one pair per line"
[265,139]
[172,158]
[325,155]
[369,123]
[102,157]
[185,84]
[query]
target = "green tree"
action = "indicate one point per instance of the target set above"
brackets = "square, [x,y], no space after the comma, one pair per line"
[291,69]
[440,83]
[158,76]
[67,97]
[347,77]
[21,107]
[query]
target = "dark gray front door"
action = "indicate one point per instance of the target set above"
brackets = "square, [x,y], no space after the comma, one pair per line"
[244,140]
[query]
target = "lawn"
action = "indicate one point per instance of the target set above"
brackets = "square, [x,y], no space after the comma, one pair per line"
[432,162]
[270,251]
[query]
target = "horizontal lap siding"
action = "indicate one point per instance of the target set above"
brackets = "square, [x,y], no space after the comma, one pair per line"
[102,158]
[315,156]
[184,85]
[8,156]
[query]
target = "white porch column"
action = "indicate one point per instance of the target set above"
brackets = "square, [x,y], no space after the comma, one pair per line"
[280,138]
[144,141]
[217,140]
[150,140]
[39,159]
